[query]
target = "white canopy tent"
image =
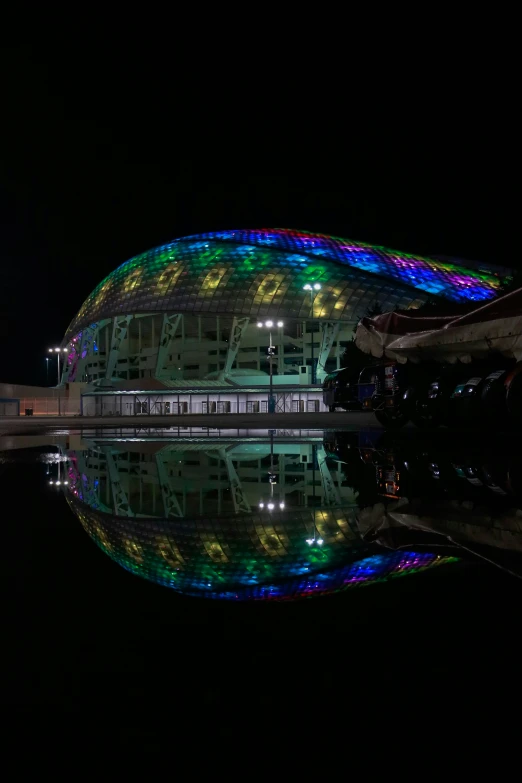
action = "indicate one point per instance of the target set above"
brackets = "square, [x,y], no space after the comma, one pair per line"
[493,327]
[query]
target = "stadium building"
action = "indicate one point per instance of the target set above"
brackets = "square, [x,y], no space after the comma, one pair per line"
[206,312]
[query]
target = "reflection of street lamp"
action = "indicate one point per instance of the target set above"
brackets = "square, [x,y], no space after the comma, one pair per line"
[272,479]
[59,481]
[313,293]
[271,353]
[315,539]
[57,351]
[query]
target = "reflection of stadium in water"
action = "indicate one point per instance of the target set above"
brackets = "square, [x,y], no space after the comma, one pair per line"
[262,517]
[436,489]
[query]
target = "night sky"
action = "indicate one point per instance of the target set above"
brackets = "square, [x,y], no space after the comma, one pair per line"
[104,157]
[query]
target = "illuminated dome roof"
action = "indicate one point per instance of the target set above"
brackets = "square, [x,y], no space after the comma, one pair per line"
[248,557]
[261,273]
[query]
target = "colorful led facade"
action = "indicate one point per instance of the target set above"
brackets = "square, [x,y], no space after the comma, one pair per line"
[262,272]
[190,309]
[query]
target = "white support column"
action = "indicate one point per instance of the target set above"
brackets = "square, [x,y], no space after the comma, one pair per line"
[331,495]
[91,495]
[171,507]
[119,496]
[120,327]
[238,497]
[239,326]
[90,335]
[168,330]
[330,330]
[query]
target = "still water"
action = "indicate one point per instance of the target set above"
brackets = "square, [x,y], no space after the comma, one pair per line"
[133,546]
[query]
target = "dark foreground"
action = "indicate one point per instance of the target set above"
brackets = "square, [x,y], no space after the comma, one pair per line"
[88,641]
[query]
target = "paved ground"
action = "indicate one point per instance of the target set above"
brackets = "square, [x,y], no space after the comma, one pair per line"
[305,421]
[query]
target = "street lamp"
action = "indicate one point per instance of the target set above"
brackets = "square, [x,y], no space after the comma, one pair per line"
[313,293]
[57,352]
[271,353]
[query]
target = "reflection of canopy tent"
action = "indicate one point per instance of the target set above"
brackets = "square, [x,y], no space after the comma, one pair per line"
[494,327]
[497,539]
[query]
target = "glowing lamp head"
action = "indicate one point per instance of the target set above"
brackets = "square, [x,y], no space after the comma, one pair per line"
[317,286]
[269,324]
[280,324]
[307,287]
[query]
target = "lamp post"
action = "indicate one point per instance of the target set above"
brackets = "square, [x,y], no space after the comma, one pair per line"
[57,352]
[47,371]
[313,293]
[271,352]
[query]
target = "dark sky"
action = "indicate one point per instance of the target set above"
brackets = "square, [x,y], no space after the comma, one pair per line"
[104,155]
